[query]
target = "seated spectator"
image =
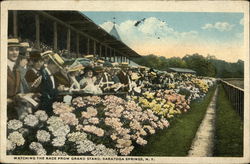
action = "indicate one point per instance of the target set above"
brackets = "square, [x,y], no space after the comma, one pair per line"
[33,75]
[22,68]
[88,82]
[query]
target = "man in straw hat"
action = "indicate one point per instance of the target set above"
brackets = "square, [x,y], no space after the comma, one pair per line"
[13,76]
[48,85]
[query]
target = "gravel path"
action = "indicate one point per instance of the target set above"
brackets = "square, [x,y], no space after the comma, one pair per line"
[202,145]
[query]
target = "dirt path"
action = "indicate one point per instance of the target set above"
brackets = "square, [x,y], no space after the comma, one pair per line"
[202,145]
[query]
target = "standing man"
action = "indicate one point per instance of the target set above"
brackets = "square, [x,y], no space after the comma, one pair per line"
[13,77]
[49,91]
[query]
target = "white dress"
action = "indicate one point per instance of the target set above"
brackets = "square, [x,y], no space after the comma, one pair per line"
[90,87]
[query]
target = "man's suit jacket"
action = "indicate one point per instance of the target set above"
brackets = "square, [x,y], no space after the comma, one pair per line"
[60,79]
[30,77]
[48,92]
[47,88]
[13,82]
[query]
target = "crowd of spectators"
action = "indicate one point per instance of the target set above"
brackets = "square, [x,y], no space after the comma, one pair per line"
[41,75]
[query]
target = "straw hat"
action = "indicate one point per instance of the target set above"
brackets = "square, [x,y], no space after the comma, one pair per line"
[46,53]
[89,56]
[100,61]
[14,42]
[25,44]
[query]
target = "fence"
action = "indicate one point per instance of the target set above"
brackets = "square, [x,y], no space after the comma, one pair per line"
[236,96]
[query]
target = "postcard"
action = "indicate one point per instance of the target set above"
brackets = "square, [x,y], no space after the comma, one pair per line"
[124,82]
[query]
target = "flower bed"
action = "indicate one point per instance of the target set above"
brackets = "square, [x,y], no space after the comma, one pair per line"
[100,126]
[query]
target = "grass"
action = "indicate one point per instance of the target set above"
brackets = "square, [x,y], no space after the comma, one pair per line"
[229,129]
[177,139]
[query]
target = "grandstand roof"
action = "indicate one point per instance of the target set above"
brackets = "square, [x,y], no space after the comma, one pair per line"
[82,23]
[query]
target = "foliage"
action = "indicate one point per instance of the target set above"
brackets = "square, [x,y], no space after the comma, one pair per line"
[204,66]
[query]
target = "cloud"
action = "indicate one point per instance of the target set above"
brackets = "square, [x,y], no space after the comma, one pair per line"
[242,21]
[154,36]
[220,26]
[148,31]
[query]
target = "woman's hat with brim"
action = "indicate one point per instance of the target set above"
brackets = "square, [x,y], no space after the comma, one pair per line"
[87,69]
[13,42]
[76,68]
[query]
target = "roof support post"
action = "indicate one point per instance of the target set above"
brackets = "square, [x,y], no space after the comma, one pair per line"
[114,55]
[68,41]
[55,35]
[100,50]
[15,24]
[110,54]
[94,48]
[106,52]
[37,20]
[77,45]
[88,45]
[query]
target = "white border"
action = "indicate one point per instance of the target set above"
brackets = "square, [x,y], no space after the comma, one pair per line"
[181,6]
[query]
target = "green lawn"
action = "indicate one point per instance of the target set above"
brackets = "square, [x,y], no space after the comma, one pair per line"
[177,139]
[229,129]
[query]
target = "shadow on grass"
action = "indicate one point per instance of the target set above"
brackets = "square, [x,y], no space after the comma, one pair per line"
[177,138]
[229,129]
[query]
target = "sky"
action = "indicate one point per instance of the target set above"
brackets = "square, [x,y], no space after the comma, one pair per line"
[175,34]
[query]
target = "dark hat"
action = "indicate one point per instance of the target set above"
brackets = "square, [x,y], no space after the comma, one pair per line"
[87,69]
[35,55]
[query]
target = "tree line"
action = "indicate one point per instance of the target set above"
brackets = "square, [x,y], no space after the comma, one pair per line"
[204,66]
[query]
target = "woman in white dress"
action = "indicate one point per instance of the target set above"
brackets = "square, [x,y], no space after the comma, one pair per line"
[88,82]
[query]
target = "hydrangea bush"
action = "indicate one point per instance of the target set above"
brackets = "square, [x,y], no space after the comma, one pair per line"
[100,126]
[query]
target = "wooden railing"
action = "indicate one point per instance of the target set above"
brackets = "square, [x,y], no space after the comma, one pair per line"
[236,96]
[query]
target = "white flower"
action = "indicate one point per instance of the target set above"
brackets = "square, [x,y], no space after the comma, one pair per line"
[61,131]
[41,152]
[41,115]
[42,136]
[16,138]
[38,148]
[14,124]
[10,145]
[141,141]
[99,150]
[35,146]
[85,146]
[58,141]
[59,153]
[54,123]
[77,136]
[31,120]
